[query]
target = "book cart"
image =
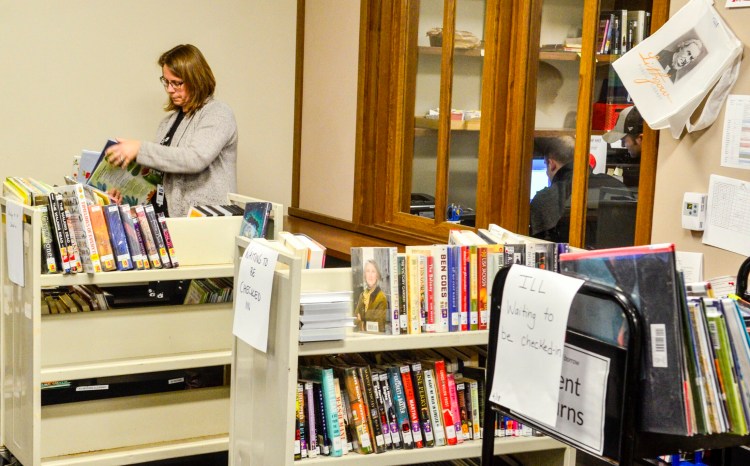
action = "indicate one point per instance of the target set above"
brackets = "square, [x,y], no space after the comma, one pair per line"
[40,348]
[623,443]
[264,384]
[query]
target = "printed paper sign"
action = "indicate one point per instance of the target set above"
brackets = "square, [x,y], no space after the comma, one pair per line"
[252,304]
[533,319]
[14,242]
[583,390]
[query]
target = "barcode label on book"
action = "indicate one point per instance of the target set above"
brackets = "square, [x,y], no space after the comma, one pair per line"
[714,334]
[659,345]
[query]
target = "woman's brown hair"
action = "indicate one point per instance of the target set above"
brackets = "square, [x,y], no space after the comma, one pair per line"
[189,64]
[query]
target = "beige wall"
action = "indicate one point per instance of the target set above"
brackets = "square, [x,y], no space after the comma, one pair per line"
[686,165]
[329,110]
[77,72]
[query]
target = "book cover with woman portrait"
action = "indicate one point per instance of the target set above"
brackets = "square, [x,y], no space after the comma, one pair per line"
[372,276]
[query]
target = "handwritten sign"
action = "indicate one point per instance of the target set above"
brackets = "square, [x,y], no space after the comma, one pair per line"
[252,304]
[14,242]
[533,319]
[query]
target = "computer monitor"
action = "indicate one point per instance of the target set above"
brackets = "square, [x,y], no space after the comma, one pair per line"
[539,178]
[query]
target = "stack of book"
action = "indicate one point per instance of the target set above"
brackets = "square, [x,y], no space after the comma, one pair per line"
[441,287]
[76,298]
[209,290]
[422,399]
[325,315]
[312,253]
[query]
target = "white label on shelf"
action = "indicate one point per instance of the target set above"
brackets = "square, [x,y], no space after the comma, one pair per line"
[14,241]
[177,380]
[252,305]
[533,319]
[91,388]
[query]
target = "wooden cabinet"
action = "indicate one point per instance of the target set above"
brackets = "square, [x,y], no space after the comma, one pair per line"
[40,348]
[412,92]
[264,384]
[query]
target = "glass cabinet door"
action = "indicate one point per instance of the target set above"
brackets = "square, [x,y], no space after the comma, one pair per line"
[585,172]
[444,82]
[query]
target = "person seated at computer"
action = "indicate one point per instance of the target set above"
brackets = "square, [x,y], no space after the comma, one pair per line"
[551,205]
[629,131]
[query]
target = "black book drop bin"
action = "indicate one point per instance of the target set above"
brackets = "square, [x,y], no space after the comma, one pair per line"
[741,281]
[623,443]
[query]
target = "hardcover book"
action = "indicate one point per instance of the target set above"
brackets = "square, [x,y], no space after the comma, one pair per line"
[136,183]
[399,402]
[372,268]
[162,219]
[152,253]
[325,377]
[101,234]
[161,245]
[118,237]
[255,219]
[136,253]
[75,199]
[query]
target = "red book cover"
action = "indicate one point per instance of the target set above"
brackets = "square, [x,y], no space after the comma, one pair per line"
[445,401]
[411,405]
[465,303]
[456,414]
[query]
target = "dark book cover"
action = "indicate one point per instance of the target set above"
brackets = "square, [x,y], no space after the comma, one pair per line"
[255,219]
[648,274]
[373,416]
[123,259]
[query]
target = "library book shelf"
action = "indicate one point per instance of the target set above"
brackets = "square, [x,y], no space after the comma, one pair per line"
[263,385]
[40,348]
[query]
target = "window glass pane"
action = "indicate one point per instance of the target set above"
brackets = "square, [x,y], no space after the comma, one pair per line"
[421,163]
[466,97]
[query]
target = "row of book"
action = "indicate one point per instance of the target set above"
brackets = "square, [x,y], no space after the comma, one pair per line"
[695,375]
[312,253]
[621,30]
[75,298]
[421,400]
[438,288]
[209,290]
[81,233]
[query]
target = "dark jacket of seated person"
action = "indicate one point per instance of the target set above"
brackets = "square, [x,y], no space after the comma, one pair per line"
[550,207]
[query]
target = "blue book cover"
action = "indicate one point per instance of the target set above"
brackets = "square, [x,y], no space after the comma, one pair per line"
[118,237]
[454,324]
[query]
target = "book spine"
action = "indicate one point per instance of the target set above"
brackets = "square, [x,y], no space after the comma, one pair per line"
[148,238]
[359,410]
[454,319]
[431,325]
[299,430]
[382,415]
[302,420]
[423,408]
[351,441]
[395,307]
[413,278]
[455,411]
[324,441]
[411,405]
[57,225]
[376,429]
[312,434]
[345,446]
[49,262]
[98,224]
[465,304]
[167,238]
[473,395]
[402,412]
[482,282]
[141,243]
[445,401]
[73,255]
[117,237]
[92,263]
[133,246]
[433,402]
[403,294]
[473,288]
[463,409]
[440,255]
[332,418]
[390,410]
[161,246]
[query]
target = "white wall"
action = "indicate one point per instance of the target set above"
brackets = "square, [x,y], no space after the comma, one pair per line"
[77,72]
[329,110]
[686,164]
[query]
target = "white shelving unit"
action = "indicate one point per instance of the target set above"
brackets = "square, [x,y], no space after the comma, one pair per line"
[264,384]
[132,429]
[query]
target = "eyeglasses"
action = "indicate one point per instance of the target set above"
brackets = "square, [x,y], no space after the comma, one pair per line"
[176,85]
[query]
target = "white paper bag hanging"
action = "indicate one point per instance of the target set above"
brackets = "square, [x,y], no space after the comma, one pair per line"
[681,75]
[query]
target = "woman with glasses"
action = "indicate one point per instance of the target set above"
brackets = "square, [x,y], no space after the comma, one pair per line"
[196,148]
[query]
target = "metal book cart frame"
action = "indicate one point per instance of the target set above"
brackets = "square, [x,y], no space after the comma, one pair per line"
[623,443]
